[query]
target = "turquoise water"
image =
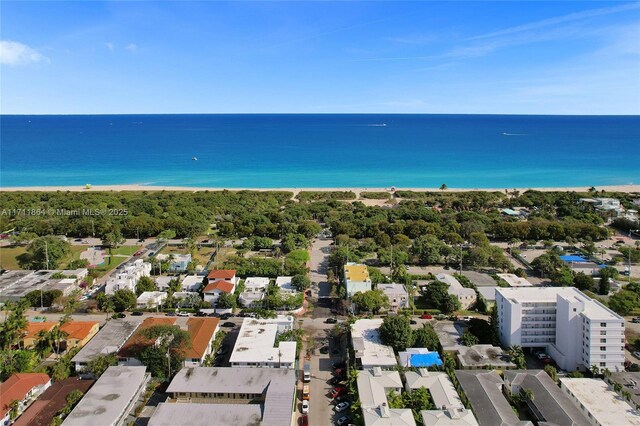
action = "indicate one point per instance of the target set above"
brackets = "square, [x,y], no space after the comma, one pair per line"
[324,150]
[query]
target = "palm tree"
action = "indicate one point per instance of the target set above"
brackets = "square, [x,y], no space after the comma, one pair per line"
[15,409]
[606,373]
[57,336]
[443,187]
[617,387]
[44,343]
[595,370]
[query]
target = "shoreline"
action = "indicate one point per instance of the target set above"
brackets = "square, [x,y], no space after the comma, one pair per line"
[357,190]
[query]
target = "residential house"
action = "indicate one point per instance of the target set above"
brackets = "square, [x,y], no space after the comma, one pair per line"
[286,286]
[214,289]
[23,388]
[254,292]
[221,275]
[548,403]
[466,296]
[127,276]
[442,391]
[373,387]
[111,399]
[202,332]
[177,262]
[231,396]
[356,278]
[47,406]
[78,333]
[108,340]
[484,390]
[257,345]
[191,283]
[397,295]
[599,403]
[134,344]
[151,299]
[369,350]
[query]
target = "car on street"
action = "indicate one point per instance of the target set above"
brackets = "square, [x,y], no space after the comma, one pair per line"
[200,314]
[226,316]
[341,407]
[305,406]
[137,313]
[305,420]
[330,321]
[335,381]
[636,320]
[119,315]
[228,324]
[636,354]
[426,316]
[341,398]
[343,420]
[183,314]
[170,314]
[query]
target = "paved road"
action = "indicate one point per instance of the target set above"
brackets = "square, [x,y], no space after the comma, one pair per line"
[320,250]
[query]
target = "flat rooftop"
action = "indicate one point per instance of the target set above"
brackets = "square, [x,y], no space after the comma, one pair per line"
[449,335]
[193,414]
[515,281]
[108,340]
[356,272]
[109,398]
[278,386]
[366,341]
[489,293]
[479,356]
[256,339]
[606,406]
[630,382]
[17,283]
[593,309]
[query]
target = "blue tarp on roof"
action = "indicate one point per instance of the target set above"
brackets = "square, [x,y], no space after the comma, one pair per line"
[573,258]
[426,360]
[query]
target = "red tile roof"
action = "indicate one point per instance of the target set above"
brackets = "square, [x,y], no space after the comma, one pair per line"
[17,387]
[33,328]
[78,329]
[221,274]
[137,342]
[224,286]
[51,401]
[201,331]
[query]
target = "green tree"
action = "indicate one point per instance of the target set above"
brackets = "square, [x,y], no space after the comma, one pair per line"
[100,363]
[623,302]
[428,249]
[517,357]
[227,300]
[164,354]
[145,284]
[552,372]
[16,322]
[370,301]
[36,297]
[395,331]
[45,253]
[583,282]
[435,294]
[301,282]
[426,337]
[469,339]
[112,240]
[563,277]
[123,300]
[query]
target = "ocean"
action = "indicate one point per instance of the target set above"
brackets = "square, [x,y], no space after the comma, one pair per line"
[320,150]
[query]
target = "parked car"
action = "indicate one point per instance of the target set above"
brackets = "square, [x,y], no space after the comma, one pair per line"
[305,406]
[228,324]
[226,316]
[183,314]
[119,315]
[330,321]
[426,316]
[137,313]
[636,354]
[343,420]
[341,398]
[338,391]
[335,381]
[170,314]
[636,320]
[305,420]
[341,407]
[213,314]
[200,314]
[413,322]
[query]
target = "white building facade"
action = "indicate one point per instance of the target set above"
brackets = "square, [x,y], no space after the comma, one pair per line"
[127,277]
[575,330]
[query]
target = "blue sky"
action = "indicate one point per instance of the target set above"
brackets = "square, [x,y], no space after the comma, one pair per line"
[415,57]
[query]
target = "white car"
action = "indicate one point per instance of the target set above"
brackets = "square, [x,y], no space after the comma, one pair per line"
[305,406]
[341,407]
[636,354]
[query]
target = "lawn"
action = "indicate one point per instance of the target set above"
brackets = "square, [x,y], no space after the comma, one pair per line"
[8,257]
[126,250]
[203,254]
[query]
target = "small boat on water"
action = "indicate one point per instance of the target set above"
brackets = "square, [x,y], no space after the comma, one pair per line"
[378,125]
[194,158]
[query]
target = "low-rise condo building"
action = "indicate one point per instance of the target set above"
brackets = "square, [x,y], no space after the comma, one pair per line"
[356,278]
[126,277]
[369,350]
[254,346]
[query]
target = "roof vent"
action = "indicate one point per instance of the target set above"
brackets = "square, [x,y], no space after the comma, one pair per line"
[384,411]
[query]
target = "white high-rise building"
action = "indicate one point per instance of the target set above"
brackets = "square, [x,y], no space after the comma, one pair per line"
[575,330]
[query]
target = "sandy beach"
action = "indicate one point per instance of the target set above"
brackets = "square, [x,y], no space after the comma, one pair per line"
[138,187]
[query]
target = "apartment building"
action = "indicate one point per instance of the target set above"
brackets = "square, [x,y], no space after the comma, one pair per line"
[575,330]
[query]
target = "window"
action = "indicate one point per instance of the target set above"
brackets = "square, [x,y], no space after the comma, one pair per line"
[603,333]
[603,324]
[603,348]
[603,364]
[603,340]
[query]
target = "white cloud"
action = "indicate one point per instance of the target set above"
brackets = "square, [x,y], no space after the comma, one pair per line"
[131,47]
[14,53]
[109,46]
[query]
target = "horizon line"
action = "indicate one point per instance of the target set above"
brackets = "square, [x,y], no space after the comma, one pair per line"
[319,113]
